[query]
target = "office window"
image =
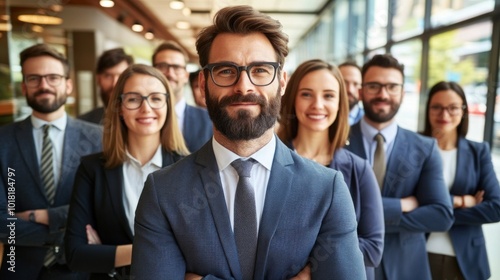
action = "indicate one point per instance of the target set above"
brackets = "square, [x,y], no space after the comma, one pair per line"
[340,27]
[462,56]
[408,18]
[496,124]
[409,53]
[446,12]
[357,33]
[377,23]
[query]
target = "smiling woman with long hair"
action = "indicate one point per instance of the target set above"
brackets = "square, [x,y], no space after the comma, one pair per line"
[314,122]
[140,136]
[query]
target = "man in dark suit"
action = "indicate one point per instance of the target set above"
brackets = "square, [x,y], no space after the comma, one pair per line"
[414,195]
[110,65]
[298,217]
[33,215]
[170,58]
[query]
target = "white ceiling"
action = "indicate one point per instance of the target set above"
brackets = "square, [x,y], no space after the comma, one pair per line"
[296,16]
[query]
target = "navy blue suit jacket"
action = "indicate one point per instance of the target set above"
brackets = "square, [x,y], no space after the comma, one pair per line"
[97,200]
[413,169]
[197,128]
[365,193]
[474,172]
[18,153]
[182,223]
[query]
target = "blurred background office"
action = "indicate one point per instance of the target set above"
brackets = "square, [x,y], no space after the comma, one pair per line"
[454,40]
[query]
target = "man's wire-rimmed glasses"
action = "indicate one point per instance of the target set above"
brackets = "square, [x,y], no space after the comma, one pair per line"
[53,80]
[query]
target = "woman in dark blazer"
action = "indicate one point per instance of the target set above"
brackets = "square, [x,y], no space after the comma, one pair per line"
[141,135]
[314,122]
[460,253]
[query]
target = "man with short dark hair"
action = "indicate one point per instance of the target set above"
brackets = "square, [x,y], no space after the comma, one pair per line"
[38,158]
[110,65]
[171,59]
[245,206]
[409,170]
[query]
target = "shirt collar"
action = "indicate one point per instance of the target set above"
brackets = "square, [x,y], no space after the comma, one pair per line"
[59,123]
[389,132]
[156,160]
[225,157]
[354,111]
[180,107]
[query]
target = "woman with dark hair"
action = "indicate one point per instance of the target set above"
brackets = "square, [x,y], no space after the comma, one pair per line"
[314,122]
[140,136]
[468,172]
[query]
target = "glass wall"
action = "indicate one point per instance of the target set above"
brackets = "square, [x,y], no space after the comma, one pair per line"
[462,55]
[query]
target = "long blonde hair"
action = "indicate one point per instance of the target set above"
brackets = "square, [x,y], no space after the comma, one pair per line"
[115,131]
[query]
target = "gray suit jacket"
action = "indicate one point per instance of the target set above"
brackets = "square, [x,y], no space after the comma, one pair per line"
[182,223]
[18,154]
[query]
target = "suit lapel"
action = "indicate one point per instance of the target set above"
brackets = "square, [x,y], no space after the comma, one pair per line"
[212,186]
[114,183]
[26,143]
[278,188]
[70,156]
[463,155]
[394,162]
[356,141]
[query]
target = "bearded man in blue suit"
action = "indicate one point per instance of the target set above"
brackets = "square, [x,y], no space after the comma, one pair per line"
[414,195]
[187,222]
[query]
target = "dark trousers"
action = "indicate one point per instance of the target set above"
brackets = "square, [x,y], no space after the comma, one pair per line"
[444,267]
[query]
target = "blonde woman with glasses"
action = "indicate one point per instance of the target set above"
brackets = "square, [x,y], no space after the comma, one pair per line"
[141,135]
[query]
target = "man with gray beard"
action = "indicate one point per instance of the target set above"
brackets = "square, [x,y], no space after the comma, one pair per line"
[38,158]
[245,206]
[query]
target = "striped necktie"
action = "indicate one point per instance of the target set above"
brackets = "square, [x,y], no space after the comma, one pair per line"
[47,174]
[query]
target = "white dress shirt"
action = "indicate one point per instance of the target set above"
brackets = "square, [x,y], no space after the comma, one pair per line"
[56,135]
[180,109]
[259,176]
[134,177]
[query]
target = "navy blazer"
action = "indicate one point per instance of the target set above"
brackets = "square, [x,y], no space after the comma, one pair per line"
[197,128]
[474,172]
[182,223]
[365,193]
[18,154]
[413,169]
[97,200]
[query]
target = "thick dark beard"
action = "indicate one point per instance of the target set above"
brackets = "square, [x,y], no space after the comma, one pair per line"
[243,127]
[46,106]
[380,117]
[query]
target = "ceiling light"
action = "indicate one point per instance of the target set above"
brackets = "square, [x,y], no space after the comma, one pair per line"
[5,26]
[4,17]
[37,28]
[176,4]
[186,11]
[149,35]
[40,19]
[57,8]
[137,27]
[183,25]
[107,3]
